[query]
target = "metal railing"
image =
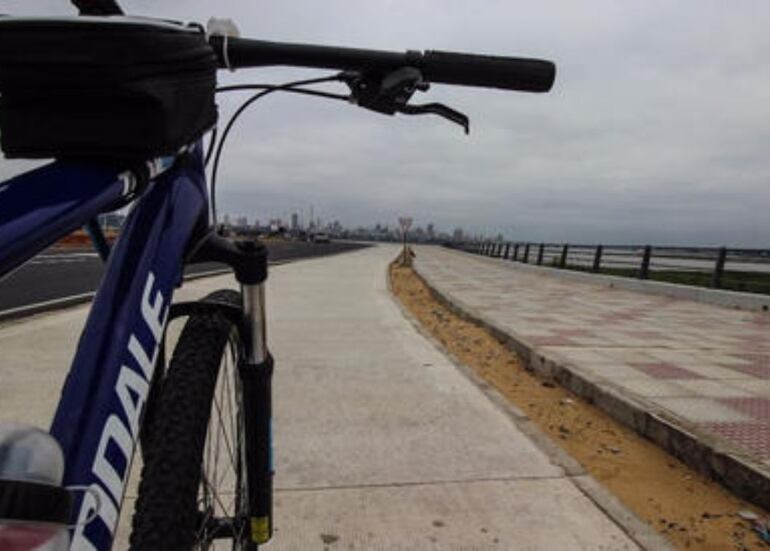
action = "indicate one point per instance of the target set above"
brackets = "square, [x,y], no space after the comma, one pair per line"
[717,267]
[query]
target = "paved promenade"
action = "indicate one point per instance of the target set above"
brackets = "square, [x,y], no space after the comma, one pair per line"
[382,443]
[705,367]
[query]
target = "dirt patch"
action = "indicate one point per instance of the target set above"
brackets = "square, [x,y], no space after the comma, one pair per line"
[691,511]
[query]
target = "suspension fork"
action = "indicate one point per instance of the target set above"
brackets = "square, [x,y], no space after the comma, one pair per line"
[248,259]
[256,371]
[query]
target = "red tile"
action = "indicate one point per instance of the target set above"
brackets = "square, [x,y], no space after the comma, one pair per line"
[751,436]
[757,407]
[757,365]
[663,370]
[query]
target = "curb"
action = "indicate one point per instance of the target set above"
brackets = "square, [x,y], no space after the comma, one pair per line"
[639,531]
[46,306]
[65,302]
[713,458]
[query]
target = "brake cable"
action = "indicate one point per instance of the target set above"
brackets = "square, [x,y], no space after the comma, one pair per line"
[292,87]
[387,94]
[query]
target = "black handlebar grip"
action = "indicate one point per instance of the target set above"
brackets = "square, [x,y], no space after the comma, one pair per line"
[510,73]
[97,7]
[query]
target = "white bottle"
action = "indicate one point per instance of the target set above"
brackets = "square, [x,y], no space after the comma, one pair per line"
[30,459]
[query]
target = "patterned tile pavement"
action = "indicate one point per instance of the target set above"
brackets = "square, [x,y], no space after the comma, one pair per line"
[705,364]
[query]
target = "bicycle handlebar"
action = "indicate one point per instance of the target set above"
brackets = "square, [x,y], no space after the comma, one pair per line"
[509,73]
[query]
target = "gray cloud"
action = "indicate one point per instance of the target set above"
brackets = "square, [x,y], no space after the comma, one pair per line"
[657,128]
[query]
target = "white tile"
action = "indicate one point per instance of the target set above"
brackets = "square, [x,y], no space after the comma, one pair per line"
[648,387]
[701,410]
[714,389]
[711,371]
[760,387]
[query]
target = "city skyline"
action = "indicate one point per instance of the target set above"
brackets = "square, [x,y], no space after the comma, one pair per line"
[655,130]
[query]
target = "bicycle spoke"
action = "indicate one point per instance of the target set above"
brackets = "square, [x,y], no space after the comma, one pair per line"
[222,469]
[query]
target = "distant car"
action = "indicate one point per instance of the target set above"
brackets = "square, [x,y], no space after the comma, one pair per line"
[320,237]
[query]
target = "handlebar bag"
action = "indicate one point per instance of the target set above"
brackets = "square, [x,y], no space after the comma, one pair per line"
[103,87]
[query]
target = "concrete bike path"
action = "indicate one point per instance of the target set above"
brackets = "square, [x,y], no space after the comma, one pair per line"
[381,442]
[691,376]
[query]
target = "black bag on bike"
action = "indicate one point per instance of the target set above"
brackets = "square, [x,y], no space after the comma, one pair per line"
[110,87]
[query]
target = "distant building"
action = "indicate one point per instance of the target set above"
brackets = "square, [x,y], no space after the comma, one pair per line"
[242,222]
[294,221]
[458,235]
[277,226]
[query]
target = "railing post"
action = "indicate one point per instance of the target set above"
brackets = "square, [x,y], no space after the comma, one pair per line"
[719,268]
[644,269]
[498,250]
[525,260]
[515,252]
[507,250]
[598,258]
[540,251]
[563,259]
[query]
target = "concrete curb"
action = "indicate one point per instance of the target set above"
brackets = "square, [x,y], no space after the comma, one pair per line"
[638,530]
[714,458]
[716,297]
[46,306]
[74,300]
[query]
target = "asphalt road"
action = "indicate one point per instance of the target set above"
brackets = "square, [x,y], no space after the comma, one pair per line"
[56,274]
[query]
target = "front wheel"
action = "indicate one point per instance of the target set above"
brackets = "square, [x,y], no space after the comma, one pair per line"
[192,491]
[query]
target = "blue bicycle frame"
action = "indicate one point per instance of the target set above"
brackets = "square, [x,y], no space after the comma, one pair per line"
[98,416]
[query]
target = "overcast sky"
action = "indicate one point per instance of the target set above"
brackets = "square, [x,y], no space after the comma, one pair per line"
[657,129]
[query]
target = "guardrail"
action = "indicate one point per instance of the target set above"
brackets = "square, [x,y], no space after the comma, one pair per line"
[746,270]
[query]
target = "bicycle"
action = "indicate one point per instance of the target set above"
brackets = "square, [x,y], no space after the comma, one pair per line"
[120,389]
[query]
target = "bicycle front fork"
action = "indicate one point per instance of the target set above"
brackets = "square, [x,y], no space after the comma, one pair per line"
[248,259]
[256,376]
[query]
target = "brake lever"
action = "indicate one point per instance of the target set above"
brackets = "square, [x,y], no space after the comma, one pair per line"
[390,94]
[438,109]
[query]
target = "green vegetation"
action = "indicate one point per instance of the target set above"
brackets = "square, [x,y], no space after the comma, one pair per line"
[747,282]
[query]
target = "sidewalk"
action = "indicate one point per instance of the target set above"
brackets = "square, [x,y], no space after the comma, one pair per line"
[381,442]
[693,377]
